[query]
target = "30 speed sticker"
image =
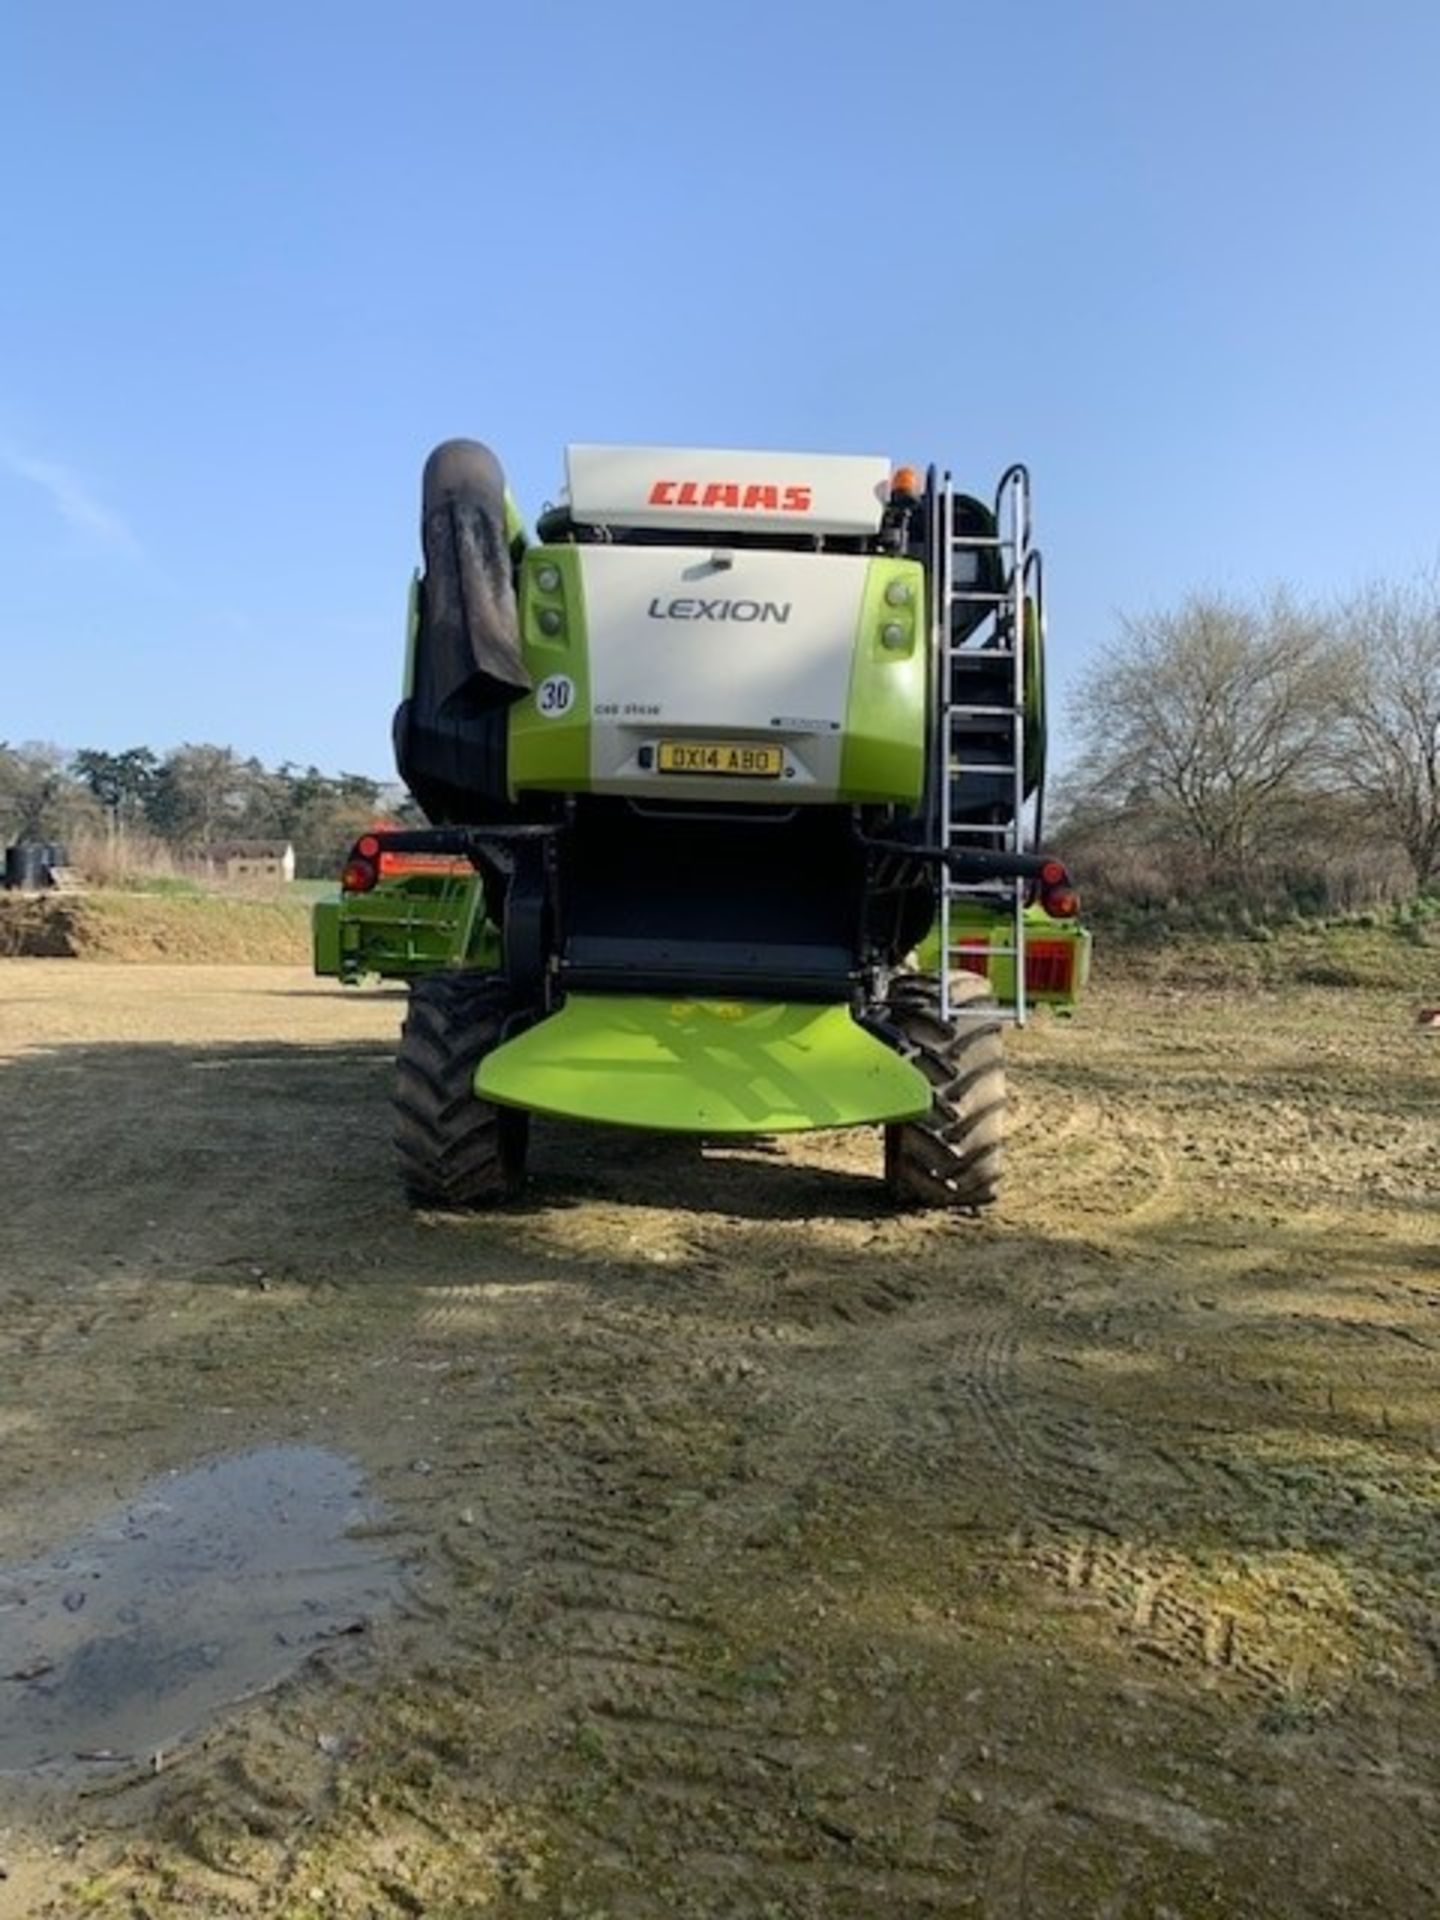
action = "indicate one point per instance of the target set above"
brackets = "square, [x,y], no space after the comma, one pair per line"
[555,696]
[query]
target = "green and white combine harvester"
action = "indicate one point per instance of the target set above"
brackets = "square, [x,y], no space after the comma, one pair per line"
[735,780]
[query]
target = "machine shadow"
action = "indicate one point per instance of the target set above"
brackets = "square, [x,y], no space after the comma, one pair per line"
[271,1141]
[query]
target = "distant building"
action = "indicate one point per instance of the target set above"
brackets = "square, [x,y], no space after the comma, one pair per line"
[252,860]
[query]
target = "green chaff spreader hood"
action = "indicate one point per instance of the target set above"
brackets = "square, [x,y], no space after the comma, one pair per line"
[703,1066]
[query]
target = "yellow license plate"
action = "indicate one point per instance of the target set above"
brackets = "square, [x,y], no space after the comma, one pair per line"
[721,757]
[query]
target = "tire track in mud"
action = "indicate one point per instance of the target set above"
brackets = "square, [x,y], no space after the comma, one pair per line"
[757,1798]
[596,1579]
[1076,1474]
[1070,1469]
[1067,1466]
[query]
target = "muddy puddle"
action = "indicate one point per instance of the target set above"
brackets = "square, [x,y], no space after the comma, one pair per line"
[209,1585]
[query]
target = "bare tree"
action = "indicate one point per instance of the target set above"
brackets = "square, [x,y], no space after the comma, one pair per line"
[1212,715]
[1386,748]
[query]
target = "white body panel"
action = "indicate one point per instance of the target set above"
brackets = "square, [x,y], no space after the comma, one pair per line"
[745,646]
[708,489]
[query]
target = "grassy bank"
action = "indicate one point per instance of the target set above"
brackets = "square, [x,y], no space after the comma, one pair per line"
[138,927]
[1402,955]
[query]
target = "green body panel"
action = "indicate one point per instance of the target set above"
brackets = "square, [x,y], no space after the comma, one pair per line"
[976,929]
[552,751]
[882,755]
[515,536]
[703,1066]
[403,928]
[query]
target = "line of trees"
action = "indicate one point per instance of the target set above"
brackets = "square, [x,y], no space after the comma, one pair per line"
[1262,751]
[182,803]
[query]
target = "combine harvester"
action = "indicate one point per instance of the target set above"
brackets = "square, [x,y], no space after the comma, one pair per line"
[735,777]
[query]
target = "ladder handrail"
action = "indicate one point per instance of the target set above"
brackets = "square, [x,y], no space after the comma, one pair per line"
[1006,609]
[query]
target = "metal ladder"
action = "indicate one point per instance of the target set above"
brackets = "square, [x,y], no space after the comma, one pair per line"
[998,640]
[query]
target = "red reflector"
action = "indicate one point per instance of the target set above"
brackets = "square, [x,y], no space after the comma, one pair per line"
[441,863]
[1053,874]
[973,959]
[359,876]
[1049,966]
[367,845]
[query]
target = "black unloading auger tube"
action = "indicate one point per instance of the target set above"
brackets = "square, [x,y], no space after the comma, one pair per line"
[969,863]
[450,731]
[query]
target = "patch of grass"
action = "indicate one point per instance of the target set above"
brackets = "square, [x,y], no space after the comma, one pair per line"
[163,885]
[1398,957]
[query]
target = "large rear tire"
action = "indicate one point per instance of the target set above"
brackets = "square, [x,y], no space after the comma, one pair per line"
[456,1151]
[951,1156]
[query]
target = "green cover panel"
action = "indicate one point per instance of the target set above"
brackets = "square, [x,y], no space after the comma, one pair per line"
[404,928]
[550,727]
[325,936]
[703,1066]
[883,754]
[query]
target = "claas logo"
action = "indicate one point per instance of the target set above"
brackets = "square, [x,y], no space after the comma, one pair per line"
[730,494]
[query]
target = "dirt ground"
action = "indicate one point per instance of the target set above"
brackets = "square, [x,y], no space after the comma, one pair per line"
[767,1554]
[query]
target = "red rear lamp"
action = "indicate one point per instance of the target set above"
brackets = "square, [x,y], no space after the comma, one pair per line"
[367,846]
[1050,966]
[1053,874]
[1061,903]
[358,876]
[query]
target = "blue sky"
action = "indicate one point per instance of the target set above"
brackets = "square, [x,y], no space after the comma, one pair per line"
[258,258]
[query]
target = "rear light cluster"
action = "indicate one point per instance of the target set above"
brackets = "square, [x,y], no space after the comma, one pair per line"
[1049,964]
[1057,896]
[362,869]
[371,861]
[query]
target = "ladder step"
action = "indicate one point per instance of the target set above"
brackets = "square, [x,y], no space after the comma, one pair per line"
[964,597]
[957,710]
[980,656]
[967,541]
[972,826]
[982,766]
